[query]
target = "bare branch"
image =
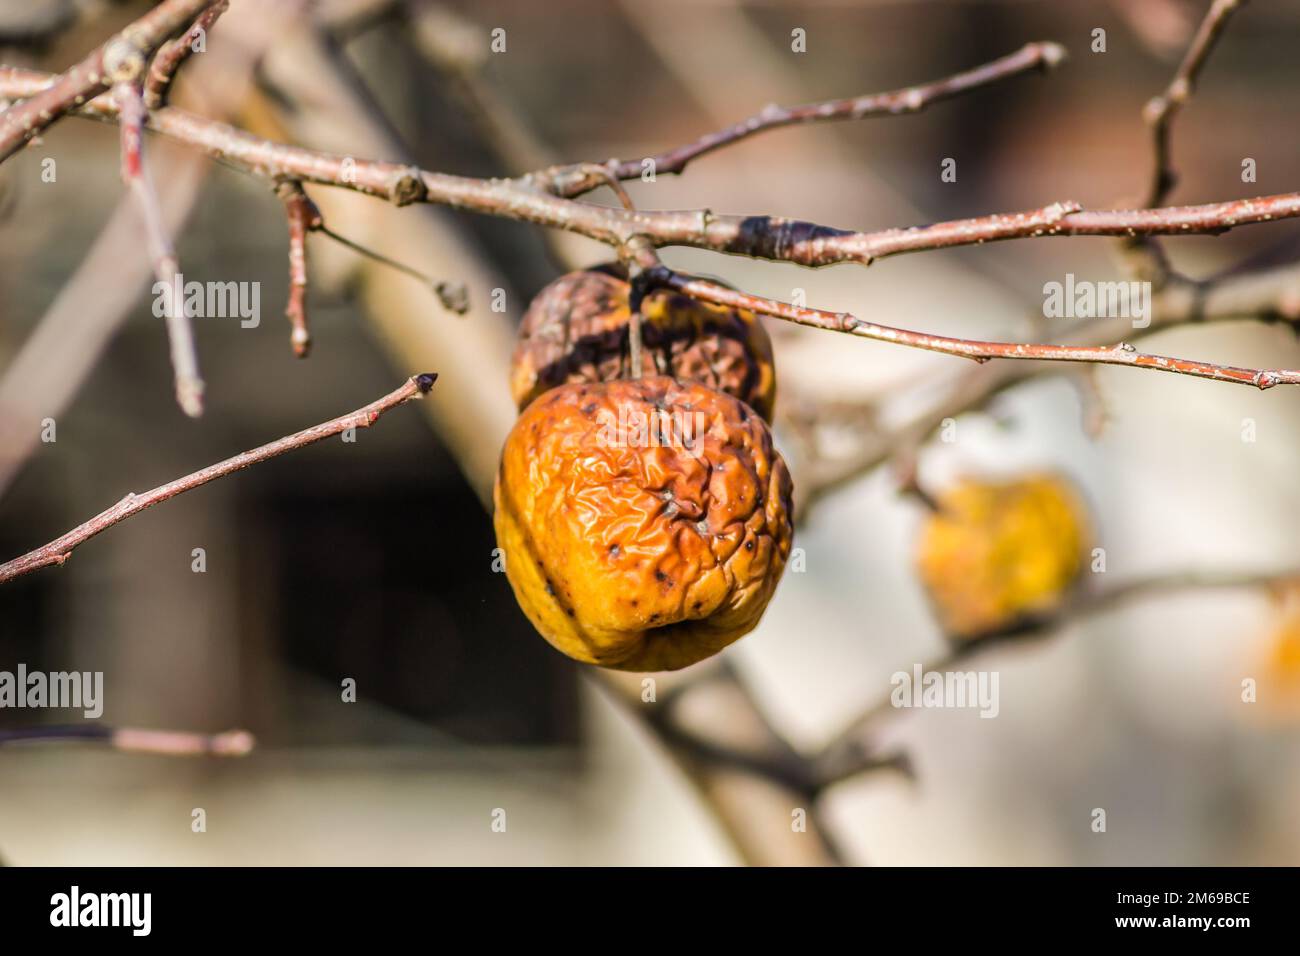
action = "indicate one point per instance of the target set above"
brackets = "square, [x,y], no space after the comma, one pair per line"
[45,374]
[54,360]
[59,550]
[174,52]
[167,743]
[750,786]
[838,757]
[1122,353]
[1161,110]
[760,236]
[1269,295]
[452,293]
[763,237]
[573,180]
[303,217]
[180,333]
[121,59]
[1144,256]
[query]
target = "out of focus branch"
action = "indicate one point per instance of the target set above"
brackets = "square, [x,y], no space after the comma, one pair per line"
[180,333]
[452,45]
[60,549]
[53,362]
[120,65]
[166,743]
[44,376]
[742,766]
[842,754]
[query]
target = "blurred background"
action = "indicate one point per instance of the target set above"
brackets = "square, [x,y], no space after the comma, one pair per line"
[373,560]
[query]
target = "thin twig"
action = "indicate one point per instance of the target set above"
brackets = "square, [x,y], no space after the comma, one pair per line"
[1122,353]
[44,376]
[573,180]
[642,265]
[170,56]
[54,361]
[561,179]
[1161,110]
[1268,295]
[453,295]
[121,59]
[167,743]
[1144,256]
[303,216]
[59,550]
[180,332]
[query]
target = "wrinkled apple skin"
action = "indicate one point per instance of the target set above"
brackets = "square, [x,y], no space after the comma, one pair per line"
[635,553]
[576,330]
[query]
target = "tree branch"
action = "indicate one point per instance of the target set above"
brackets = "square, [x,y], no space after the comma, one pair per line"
[764,237]
[572,180]
[60,549]
[121,59]
[760,236]
[303,217]
[167,743]
[1265,294]
[175,52]
[180,333]
[841,754]
[1122,353]
[1161,110]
